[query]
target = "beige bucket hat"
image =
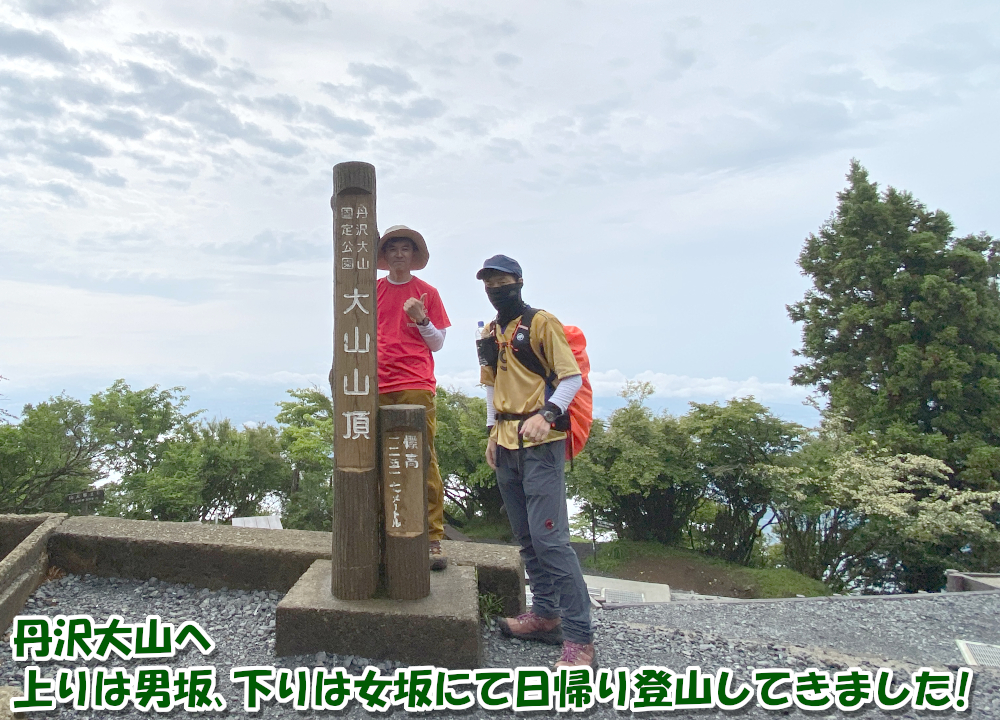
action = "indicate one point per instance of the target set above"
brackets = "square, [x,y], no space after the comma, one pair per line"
[420,255]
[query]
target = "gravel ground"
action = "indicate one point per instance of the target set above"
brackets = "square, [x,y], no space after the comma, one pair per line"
[824,634]
[920,629]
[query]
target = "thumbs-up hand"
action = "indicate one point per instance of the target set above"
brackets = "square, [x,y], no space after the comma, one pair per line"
[415,308]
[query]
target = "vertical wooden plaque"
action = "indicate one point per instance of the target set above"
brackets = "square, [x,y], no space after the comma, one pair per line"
[405,455]
[354,383]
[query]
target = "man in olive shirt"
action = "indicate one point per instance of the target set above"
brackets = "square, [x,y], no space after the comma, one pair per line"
[528,456]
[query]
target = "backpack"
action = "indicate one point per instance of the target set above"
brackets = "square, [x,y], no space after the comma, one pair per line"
[579,417]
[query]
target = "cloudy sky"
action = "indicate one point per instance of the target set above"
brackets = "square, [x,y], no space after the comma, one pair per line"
[165,173]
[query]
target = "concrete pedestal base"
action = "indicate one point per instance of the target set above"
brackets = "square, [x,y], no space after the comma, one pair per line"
[441,629]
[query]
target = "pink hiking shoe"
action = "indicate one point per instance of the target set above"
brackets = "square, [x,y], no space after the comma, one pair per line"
[577,655]
[532,627]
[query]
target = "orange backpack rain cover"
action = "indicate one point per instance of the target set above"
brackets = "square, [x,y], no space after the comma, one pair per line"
[581,410]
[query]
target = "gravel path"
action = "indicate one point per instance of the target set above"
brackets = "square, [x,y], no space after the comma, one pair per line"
[825,634]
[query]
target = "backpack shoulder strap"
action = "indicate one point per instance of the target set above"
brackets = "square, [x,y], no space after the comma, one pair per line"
[523,351]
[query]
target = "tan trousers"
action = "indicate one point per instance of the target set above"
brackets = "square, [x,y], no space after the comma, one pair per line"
[435,488]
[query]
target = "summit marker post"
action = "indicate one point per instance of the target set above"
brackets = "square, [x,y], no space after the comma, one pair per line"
[341,605]
[354,384]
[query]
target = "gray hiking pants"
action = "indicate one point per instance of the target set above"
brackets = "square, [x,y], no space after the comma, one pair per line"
[533,487]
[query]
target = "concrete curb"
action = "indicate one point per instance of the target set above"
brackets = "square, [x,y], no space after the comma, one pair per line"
[23,567]
[652,592]
[443,629]
[970,581]
[211,556]
[817,598]
[215,556]
[498,567]
[15,528]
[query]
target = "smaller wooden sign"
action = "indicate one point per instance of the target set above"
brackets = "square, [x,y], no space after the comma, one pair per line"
[87,496]
[403,460]
[404,493]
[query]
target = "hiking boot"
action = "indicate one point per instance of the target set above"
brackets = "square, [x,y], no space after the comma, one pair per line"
[577,655]
[439,558]
[532,627]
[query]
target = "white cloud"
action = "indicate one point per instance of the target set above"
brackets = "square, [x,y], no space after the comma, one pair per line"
[654,168]
[57,9]
[298,13]
[609,383]
[467,381]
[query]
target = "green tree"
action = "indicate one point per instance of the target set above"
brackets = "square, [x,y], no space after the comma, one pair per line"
[215,471]
[637,472]
[241,468]
[901,329]
[307,429]
[739,448]
[5,415]
[136,426]
[51,452]
[167,467]
[460,442]
[170,491]
[63,446]
[820,533]
[846,509]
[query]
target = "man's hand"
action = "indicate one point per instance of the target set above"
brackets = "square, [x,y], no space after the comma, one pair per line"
[491,453]
[535,429]
[415,308]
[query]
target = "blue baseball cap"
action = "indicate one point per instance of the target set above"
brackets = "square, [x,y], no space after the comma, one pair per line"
[501,263]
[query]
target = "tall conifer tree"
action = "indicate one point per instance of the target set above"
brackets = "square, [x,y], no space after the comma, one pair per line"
[901,330]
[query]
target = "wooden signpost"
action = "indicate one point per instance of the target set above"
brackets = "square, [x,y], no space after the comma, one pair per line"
[405,455]
[379,490]
[354,384]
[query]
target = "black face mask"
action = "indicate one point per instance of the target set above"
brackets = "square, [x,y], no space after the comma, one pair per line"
[507,301]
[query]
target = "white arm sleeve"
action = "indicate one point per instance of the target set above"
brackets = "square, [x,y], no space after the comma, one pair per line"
[491,412]
[432,336]
[567,390]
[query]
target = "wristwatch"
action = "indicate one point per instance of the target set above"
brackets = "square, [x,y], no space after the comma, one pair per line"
[425,322]
[548,414]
